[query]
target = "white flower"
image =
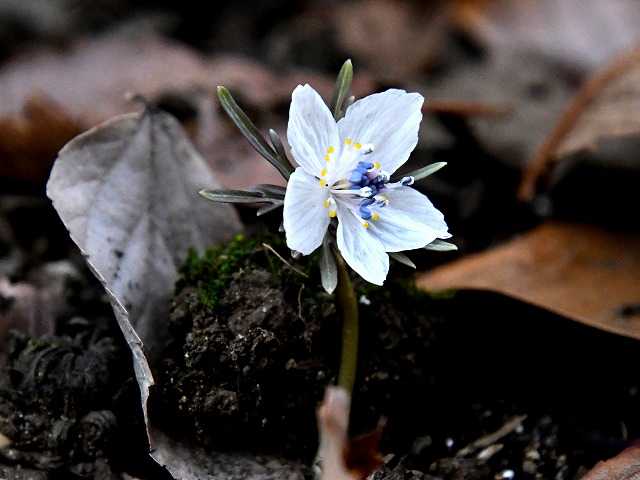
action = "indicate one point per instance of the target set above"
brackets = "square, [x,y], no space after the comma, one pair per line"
[344,170]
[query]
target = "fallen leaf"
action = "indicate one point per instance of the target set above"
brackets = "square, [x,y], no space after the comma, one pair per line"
[625,466]
[578,271]
[605,109]
[127,192]
[30,140]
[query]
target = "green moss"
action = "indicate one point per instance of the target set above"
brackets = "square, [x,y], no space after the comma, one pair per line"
[211,272]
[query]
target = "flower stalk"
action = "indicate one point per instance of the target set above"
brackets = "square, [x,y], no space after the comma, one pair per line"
[347,305]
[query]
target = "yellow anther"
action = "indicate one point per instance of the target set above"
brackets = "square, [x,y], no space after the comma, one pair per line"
[331,150]
[323,172]
[327,157]
[357,146]
[347,141]
[332,214]
[375,216]
[326,203]
[365,224]
[377,165]
[323,183]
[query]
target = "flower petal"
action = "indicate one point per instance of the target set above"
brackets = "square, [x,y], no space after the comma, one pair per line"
[390,121]
[312,129]
[305,219]
[410,221]
[361,250]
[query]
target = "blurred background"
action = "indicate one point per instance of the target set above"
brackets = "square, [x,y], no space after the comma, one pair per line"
[534,104]
[497,75]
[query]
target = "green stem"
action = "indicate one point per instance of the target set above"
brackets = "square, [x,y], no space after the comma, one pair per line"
[348,309]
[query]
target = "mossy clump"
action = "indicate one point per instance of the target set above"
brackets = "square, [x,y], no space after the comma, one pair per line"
[211,272]
[255,341]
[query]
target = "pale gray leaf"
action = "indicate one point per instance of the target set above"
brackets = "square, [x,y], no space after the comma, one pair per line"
[441,246]
[403,259]
[127,192]
[328,268]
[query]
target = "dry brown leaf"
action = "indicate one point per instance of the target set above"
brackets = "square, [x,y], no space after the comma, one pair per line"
[578,271]
[604,109]
[625,466]
[30,140]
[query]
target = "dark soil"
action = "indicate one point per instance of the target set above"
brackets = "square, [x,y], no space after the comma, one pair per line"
[254,349]
[69,404]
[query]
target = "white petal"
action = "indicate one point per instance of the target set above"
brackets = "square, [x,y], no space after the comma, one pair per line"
[305,218]
[390,121]
[361,250]
[410,221]
[312,129]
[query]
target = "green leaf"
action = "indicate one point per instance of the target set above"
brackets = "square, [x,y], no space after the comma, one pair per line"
[343,86]
[403,259]
[251,132]
[235,196]
[273,191]
[269,208]
[424,172]
[441,246]
[276,141]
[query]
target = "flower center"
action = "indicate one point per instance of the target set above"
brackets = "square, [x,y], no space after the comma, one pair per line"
[367,182]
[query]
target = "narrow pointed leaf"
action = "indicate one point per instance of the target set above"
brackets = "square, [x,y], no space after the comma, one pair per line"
[278,146]
[251,132]
[343,86]
[424,172]
[233,196]
[275,191]
[328,268]
[441,246]
[269,208]
[403,259]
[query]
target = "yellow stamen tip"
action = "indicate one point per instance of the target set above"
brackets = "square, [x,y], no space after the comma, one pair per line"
[376,165]
[323,182]
[323,172]
[331,150]
[375,216]
[365,224]
[347,141]
[326,203]
[357,146]
[327,157]
[332,213]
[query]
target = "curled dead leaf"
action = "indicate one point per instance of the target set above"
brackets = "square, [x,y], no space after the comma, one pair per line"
[625,466]
[579,271]
[342,458]
[604,109]
[127,192]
